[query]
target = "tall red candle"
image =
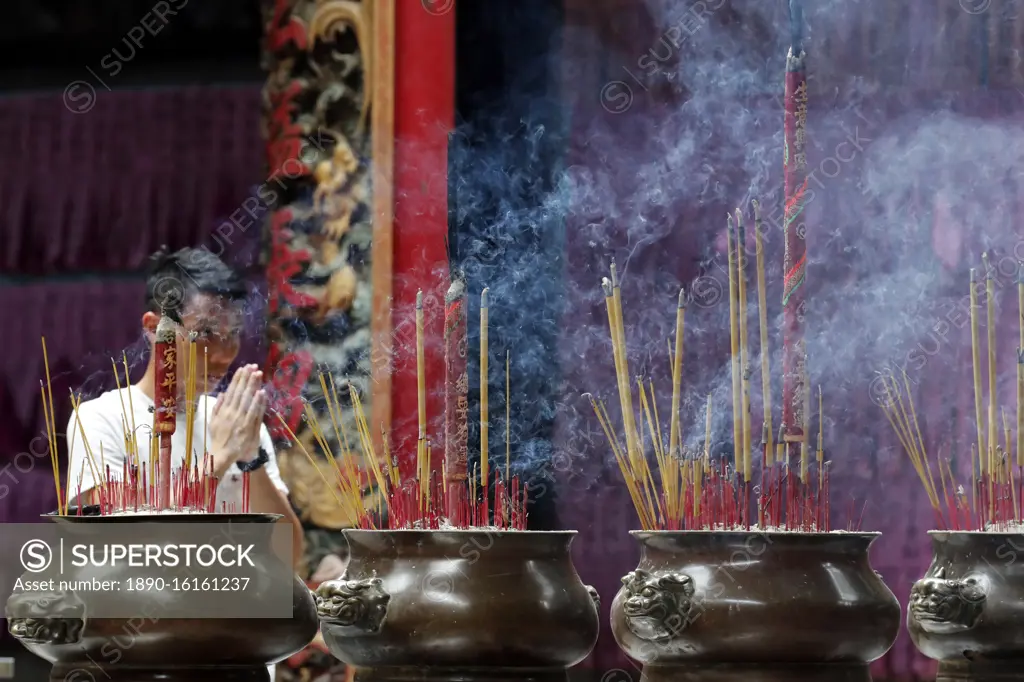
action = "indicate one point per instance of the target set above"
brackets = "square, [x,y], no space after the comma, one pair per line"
[456,384]
[794,352]
[166,404]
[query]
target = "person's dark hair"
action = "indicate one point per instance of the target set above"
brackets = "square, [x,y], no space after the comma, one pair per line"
[175,277]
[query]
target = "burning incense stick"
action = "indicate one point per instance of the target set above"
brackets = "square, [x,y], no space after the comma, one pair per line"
[741,310]
[130,440]
[990,320]
[622,372]
[762,315]
[821,440]
[508,414]
[422,465]
[637,460]
[677,376]
[51,426]
[707,431]
[734,348]
[206,390]
[1020,366]
[976,358]
[190,400]
[484,408]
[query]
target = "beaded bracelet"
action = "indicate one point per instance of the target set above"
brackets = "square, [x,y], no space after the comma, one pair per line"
[255,464]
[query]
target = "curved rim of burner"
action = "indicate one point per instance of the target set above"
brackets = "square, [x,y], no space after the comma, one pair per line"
[832,534]
[979,533]
[90,514]
[460,531]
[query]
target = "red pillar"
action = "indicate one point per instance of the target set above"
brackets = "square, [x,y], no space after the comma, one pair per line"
[424,115]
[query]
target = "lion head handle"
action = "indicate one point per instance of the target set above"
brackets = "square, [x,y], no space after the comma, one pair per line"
[657,607]
[46,618]
[357,604]
[943,605]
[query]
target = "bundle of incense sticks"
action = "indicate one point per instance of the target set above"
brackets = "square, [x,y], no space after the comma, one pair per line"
[453,499]
[138,486]
[195,490]
[692,490]
[997,469]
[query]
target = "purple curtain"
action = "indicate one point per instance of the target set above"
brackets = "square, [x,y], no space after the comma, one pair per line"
[98,191]
[86,198]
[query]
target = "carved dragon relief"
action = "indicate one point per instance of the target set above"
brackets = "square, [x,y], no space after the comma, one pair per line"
[317,99]
[330,17]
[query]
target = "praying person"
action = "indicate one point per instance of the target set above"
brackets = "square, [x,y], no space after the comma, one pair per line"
[206,298]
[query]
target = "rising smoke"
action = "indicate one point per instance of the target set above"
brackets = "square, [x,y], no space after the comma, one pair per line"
[906,190]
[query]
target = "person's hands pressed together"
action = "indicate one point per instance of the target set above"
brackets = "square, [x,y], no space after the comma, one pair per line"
[236,418]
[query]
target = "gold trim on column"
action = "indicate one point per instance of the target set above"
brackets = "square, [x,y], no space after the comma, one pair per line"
[382,252]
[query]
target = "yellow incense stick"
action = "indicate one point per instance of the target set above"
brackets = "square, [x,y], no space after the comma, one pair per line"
[762,314]
[634,441]
[206,392]
[821,441]
[707,433]
[1020,366]
[484,408]
[629,417]
[976,358]
[48,417]
[734,350]
[677,376]
[312,460]
[421,392]
[741,312]
[129,435]
[993,397]
[190,398]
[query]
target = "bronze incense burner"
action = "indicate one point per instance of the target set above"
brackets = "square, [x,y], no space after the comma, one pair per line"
[967,613]
[752,606]
[459,605]
[57,627]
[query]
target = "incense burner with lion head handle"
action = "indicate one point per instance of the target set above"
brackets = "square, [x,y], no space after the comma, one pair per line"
[443,605]
[967,612]
[163,639]
[768,607]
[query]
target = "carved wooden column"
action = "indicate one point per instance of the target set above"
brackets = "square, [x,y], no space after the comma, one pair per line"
[318,98]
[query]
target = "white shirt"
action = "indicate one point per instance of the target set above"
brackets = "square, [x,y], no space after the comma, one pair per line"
[102,419]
